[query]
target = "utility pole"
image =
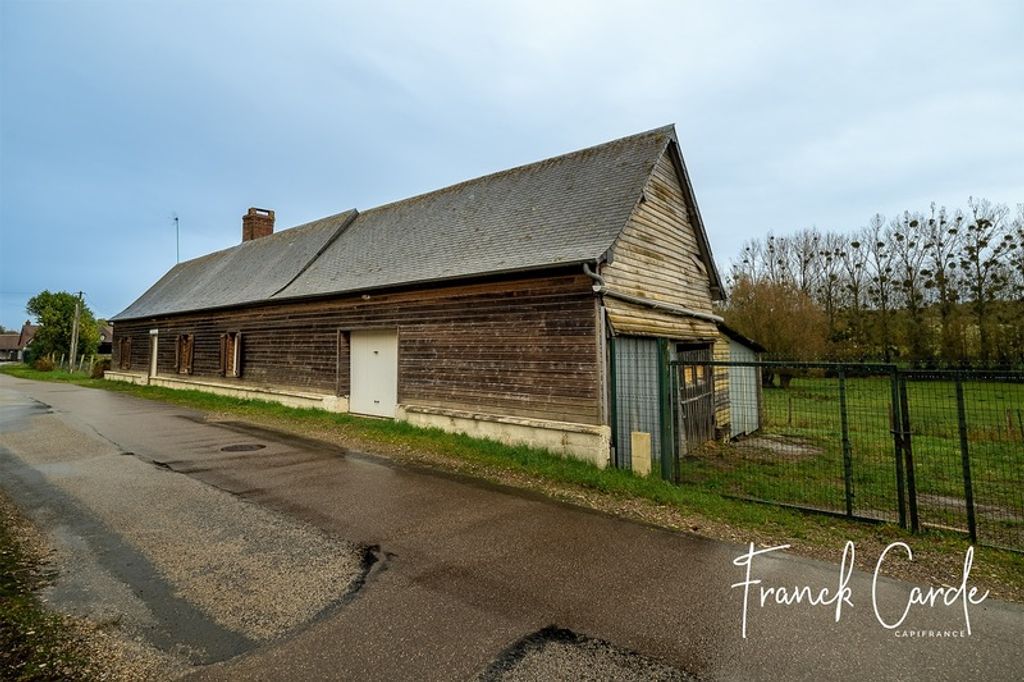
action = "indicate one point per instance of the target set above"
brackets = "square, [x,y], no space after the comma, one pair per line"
[73,351]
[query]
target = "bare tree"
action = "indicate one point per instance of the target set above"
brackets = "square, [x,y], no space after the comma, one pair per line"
[943,240]
[803,259]
[751,263]
[983,272]
[832,248]
[1014,307]
[880,292]
[777,259]
[908,260]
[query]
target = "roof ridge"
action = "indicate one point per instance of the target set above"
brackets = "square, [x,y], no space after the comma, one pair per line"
[352,215]
[665,129]
[271,236]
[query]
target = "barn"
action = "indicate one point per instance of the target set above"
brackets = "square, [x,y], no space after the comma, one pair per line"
[534,305]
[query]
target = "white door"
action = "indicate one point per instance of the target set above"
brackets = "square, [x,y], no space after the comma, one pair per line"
[374,372]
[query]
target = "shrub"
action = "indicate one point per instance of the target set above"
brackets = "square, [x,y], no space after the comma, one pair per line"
[44,363]
[101,366]
[32,353]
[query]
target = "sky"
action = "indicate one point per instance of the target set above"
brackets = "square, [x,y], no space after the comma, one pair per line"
[117,116]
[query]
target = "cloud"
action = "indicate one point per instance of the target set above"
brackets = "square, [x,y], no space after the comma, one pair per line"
[118,114]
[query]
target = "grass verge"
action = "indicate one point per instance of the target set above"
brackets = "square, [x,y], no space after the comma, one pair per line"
[938,556]
[35,643]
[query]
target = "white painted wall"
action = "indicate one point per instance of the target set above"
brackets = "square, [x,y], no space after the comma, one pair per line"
[743,391]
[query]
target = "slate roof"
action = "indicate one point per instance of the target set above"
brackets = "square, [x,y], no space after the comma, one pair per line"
[568,209]
[252,271]
[564,210]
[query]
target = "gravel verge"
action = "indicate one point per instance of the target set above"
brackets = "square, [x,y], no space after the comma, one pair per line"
[249,569]
[71,648]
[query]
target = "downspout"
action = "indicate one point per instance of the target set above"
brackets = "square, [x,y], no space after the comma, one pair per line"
[599,287]
[602,288]
[610,407]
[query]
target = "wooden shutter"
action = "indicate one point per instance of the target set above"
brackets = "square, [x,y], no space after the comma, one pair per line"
[187,351]
[124,349]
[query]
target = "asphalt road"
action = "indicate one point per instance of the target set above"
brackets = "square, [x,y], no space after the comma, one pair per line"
[402,573]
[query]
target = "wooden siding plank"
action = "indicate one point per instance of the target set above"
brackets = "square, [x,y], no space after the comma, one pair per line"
[634,320]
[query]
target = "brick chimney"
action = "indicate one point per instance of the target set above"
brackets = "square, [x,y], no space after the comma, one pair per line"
[258,222]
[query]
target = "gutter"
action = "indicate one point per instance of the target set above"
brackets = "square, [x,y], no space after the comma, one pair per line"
[601,287]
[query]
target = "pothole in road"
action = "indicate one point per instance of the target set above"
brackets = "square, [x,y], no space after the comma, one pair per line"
[243,447]
[557,653]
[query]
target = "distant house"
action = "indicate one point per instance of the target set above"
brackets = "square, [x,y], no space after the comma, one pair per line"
[13,344]
[533,305]
[106,344]
[9,349]
[25,336]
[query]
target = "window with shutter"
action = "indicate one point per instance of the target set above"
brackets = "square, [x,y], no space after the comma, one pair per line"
[183,353]
[125,353]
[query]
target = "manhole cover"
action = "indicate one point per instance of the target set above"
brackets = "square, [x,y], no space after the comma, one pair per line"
[242,447]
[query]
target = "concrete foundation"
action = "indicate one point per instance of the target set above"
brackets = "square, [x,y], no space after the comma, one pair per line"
[127,377]
[285,396]
[588,442]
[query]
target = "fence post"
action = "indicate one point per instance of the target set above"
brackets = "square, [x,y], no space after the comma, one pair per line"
[965,459]
[908,456]
[847,452]
[897,437]
[665,411]
[673,371]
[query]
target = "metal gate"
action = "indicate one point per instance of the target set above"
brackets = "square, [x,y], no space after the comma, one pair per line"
[937,450]
[963,444]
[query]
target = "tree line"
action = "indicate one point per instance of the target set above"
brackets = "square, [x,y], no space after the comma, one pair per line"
[936,288]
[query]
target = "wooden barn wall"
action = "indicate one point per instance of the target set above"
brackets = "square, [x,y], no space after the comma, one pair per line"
[526,347]
[657,257]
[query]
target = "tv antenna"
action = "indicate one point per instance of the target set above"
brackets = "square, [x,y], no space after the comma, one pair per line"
[177,239]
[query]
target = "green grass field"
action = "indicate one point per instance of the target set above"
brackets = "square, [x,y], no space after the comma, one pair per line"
[797,457]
